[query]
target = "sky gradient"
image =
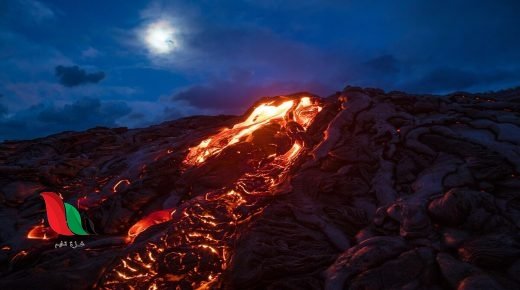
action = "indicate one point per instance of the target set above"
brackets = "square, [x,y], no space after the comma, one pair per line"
[72,66]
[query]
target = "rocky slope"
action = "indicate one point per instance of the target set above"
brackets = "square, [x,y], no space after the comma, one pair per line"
[360,190]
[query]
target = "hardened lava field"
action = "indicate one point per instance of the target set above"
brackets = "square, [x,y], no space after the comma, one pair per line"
[360,190]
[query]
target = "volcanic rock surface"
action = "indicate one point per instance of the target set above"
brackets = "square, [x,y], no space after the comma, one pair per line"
[360,190]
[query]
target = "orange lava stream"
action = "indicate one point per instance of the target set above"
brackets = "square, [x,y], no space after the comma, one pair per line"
[304,112]
[198,244]
[150,220]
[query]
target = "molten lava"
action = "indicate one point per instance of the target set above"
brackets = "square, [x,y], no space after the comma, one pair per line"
[41,232]
[154,218]
[120,183]
[301,111]
[198,245]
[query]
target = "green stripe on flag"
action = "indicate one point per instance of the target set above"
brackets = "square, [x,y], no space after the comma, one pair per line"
[74,220]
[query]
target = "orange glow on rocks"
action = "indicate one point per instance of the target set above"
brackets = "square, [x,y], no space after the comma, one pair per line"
[41,232]
[154,218]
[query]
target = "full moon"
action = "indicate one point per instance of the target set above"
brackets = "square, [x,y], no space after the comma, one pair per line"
[160,37]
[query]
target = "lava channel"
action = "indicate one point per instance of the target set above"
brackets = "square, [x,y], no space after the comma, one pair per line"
[196,246]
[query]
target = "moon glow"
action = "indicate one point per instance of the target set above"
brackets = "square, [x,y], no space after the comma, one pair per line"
[159,37]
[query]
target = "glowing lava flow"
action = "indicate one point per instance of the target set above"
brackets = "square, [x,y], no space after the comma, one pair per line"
[154,218]
[303,113]
[197,246]
[41,232]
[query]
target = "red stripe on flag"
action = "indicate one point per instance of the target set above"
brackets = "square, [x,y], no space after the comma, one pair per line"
[56,213]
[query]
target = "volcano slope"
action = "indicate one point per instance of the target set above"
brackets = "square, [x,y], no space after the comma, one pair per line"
[360,190]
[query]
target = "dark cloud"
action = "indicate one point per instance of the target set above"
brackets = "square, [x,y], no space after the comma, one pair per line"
[84,111]
[446,79]
[237,93]
[71,76]
[43,119]
[171,113]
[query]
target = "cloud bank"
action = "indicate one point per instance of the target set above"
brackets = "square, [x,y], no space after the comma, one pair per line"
[227,54]
[48,118]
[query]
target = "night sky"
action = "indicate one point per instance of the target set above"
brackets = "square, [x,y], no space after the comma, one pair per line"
[66,65]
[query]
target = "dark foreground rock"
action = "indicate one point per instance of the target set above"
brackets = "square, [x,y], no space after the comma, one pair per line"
[360,190]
